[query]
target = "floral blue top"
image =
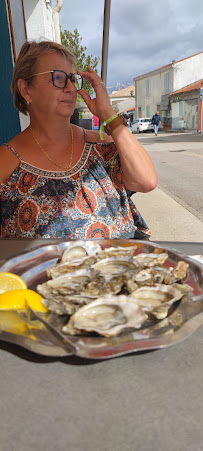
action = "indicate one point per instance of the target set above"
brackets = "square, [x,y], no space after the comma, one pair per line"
[87,201]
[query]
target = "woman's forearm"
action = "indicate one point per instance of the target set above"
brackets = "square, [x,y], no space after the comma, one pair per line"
[138,170]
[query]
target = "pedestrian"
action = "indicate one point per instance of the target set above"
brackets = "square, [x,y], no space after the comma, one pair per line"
[129,125]
[155,121]
[96,122]
[57,179]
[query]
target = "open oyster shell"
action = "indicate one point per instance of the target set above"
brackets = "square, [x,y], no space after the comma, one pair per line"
[156,300]
[67,267]
[118,252]
[79,250]
[68,305]
[105,284]
[177,273]
[71,283]
[149,260]
[107,316]
[116,265]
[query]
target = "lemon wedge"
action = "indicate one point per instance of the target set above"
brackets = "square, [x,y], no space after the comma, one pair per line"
[18,299]
[9,281]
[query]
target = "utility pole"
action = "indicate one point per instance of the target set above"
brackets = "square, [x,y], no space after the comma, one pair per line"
[107,8]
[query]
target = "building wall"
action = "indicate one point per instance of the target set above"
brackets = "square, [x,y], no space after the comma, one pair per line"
[39,20]
[39,26]
[148,104]
[126,105]
[187,106]
[187,72]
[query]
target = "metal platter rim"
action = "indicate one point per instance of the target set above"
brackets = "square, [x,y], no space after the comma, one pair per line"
[162,341]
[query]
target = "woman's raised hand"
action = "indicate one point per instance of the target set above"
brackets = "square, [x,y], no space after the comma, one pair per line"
[100,105]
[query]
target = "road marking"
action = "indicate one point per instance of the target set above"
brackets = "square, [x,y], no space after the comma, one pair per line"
[192,154]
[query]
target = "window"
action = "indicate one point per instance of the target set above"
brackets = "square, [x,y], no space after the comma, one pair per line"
[147,88]
[166,82]
[147,111]
[180,108]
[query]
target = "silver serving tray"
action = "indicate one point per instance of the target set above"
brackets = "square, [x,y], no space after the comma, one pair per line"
[41,333]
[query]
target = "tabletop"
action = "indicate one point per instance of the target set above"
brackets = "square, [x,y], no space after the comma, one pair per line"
[148,401]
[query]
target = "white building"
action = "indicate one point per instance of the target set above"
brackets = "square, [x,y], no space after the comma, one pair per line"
[123,101]
[153,90]
[39,19]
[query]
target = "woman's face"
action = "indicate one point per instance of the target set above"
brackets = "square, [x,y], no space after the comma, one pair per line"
[45,98]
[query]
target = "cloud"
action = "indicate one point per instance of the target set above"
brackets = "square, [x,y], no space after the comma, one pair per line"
[142,37]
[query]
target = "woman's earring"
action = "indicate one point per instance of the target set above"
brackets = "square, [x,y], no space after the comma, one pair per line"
[28,102]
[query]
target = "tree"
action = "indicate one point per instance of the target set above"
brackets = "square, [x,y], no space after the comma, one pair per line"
[73,42]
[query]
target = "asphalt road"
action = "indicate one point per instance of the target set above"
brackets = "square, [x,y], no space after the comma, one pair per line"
[178,159]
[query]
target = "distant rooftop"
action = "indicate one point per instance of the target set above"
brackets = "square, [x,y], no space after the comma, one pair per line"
[193,87]
[126,92]
[166,65]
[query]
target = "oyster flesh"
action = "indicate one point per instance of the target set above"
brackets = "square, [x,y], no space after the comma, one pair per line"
[156,300]
[79,249]
[107,316]
[116,265]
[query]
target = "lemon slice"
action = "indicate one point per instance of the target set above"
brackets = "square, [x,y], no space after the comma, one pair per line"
[18,299]
[9,281]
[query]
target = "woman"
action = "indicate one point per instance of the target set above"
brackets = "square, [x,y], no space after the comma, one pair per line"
[58,180]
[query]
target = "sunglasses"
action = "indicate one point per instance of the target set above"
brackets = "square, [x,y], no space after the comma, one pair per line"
[60,79]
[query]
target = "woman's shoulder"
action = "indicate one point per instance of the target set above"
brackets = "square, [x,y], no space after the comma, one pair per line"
[9,159]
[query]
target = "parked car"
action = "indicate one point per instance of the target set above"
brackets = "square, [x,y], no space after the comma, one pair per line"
[142,124]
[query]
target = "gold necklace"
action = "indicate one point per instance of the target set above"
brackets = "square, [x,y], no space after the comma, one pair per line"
[45,153]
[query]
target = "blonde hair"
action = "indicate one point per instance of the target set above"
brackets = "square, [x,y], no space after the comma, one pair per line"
[26,66]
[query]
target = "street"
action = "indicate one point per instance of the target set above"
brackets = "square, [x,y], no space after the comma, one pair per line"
[178,159]
[178,200]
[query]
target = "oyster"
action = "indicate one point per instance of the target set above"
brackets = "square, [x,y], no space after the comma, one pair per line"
[107,316]
[183,287]
[67,267]
[105,284]
[145,277]
[68,305]
[118,251]
[80,249]
[149,260]
[156,300]
[116,265]
[177,273]
[71,283]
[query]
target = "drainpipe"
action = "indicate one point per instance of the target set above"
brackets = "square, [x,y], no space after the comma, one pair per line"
[56,12]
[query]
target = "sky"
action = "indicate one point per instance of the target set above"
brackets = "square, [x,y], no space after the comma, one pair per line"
[143,35]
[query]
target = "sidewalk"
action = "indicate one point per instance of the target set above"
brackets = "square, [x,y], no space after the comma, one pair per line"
[166,218]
